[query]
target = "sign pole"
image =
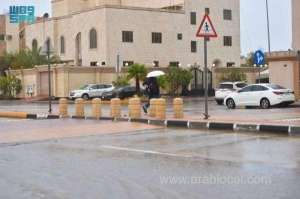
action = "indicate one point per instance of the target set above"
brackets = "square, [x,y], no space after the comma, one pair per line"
[206,30]
[206,116]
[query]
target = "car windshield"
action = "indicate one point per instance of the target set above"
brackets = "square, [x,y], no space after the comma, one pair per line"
[276,87]
[84,87]
[226,86]
[241,85]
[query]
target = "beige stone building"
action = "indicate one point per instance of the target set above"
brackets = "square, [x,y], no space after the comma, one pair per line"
[9,35]
[296,24]
[152,32]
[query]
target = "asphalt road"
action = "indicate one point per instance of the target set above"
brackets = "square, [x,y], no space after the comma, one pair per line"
[153,163]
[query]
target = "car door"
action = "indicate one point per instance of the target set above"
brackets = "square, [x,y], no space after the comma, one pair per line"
[243,97]
[100,90]
[93,91]
[258,92]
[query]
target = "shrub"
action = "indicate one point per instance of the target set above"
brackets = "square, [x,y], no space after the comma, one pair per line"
[10,86]
[234,75]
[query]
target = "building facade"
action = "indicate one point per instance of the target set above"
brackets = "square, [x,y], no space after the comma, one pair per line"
[9,35]
[296,24]
[154,33]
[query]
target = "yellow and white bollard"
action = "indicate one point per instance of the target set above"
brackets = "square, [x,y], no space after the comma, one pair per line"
[115,105]
[178,108]
[96,108]
[63,107]
[152,108]
[161,107]
[79,107]
[134,108]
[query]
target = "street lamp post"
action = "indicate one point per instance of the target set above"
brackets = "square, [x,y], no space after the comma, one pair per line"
[49,76]
[268,26]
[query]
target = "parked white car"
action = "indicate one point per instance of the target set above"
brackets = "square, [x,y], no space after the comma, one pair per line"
[90,91]
[227,88]
[263,95]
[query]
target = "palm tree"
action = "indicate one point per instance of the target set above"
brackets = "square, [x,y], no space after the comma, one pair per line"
[139,72]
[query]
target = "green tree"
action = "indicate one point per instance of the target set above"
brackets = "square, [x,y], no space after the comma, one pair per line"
[121,81]
[178,78]
[249,60]
[234,75]
[138,72]
[10,86]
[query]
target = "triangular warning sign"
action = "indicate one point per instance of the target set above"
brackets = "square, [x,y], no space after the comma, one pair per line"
[206,28]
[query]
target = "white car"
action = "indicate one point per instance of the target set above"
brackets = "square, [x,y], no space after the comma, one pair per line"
[227,88]
[90,91]
[263,95]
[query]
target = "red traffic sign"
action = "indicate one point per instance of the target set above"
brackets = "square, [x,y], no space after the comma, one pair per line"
[206,28]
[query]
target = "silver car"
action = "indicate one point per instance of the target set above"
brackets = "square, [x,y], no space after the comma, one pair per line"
[91,91]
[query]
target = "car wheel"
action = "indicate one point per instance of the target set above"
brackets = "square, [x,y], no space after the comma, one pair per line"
[85,97]
[265,103]
[230,103]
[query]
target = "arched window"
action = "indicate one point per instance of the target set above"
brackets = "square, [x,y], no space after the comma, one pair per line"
[93,38]
[34,44]
[62,45]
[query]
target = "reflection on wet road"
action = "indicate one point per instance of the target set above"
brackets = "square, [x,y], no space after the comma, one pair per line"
[152,163]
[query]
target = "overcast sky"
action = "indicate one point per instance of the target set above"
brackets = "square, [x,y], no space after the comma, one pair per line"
[253,22]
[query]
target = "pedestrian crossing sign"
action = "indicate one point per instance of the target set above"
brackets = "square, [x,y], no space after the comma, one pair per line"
[206,28]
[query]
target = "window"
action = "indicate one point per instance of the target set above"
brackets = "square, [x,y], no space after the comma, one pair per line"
[227,41]
[174,64]
[246,89]
[8,37]
[127,36]
[62,45]
[193,18]
[34,44]
[227,14]
[226,86]
[94,63]
[207,11]
[2,37]
[156,37]
[230,64]
[241,85]
[93,39]
[179,36]
[128,63]
[156,63]
[276,87]
[103,63]
[259,88]
[193,46]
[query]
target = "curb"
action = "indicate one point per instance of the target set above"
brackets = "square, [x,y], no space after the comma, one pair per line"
[221,126]
[274,129]
[176,123]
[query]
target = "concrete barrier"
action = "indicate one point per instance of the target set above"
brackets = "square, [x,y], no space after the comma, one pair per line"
[79,108]
[178,108]
[18,115]
[96,108]
[152,108]
[63,108]
[160,111]
[134,108]
[115,108]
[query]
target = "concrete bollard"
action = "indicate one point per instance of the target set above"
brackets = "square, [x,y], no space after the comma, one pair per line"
[63,107]
[96,108]
[161,107]
[115,105]
[134,108]
[152,108]
[79,107]
[178,108]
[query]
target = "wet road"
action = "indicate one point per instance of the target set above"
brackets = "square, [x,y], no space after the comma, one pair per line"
[152,163]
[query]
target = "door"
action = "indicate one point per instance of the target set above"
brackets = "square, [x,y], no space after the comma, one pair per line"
[243,96]
[93,92]
[258,93]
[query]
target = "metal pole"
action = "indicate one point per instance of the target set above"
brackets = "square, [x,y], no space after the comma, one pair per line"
[206,116]
[49,76]
[118,66]
[268,26]
[259,74]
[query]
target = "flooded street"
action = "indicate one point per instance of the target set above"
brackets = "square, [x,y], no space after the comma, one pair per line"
[97,161]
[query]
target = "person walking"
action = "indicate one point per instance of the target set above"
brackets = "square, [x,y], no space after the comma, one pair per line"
[152,91]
